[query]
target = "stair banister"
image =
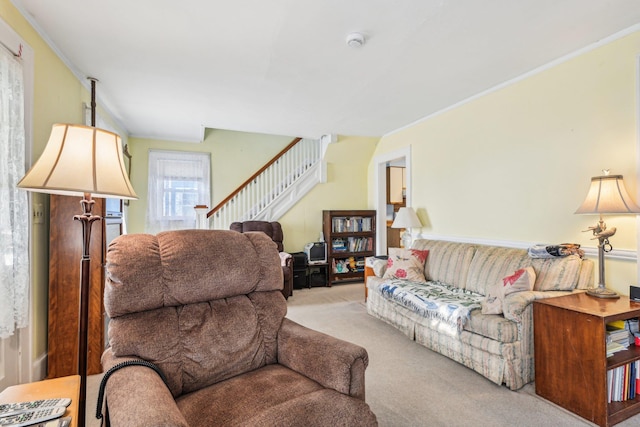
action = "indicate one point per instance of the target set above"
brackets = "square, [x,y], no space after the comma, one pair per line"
[254,176]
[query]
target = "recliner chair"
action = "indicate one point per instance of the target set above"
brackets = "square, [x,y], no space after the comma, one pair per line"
[205,307]
[272,229]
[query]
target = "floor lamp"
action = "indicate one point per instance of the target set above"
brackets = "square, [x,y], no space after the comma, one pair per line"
[81,161]
[607,194]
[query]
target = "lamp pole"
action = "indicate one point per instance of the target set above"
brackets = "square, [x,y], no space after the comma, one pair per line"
[87,220]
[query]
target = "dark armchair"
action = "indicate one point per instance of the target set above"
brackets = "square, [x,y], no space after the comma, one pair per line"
[205,307]
[272,229]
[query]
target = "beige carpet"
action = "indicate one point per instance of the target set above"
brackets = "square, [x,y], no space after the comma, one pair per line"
[407,384]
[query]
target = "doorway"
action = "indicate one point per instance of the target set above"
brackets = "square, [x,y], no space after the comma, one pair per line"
[397,157]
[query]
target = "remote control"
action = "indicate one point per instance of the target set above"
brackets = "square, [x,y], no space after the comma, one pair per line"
[32,417]
[17,408]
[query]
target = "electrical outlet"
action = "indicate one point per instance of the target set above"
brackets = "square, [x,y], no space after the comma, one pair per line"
[38,213]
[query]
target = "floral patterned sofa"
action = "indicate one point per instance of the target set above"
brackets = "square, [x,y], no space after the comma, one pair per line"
[461,275]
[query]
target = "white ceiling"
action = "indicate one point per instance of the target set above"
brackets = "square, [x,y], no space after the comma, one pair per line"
[168,69]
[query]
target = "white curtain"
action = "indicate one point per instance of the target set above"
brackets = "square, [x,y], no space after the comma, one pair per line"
[14,206]
[178,181]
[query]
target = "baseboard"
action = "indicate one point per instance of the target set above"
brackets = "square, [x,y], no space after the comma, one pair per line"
[39,368]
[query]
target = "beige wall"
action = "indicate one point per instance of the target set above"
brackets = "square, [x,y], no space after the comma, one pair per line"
[235,156]
[515,164]
[346,188]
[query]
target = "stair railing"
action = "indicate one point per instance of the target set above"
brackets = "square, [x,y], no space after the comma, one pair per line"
[252,198]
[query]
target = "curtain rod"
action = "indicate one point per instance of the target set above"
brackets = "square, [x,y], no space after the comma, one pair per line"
[17,54]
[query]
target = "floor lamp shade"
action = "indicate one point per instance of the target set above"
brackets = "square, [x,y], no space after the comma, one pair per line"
[80,159]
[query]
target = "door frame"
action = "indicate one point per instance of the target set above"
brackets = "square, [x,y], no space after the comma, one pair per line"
[380,198]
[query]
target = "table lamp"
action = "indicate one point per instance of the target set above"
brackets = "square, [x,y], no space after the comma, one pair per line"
[406,218]
[85,161]
[607,194]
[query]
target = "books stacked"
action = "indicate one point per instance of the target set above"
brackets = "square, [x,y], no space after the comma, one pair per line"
[623,382]
[617,338]
[338,245]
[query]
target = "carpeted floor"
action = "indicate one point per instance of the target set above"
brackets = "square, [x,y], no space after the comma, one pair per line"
[407,384]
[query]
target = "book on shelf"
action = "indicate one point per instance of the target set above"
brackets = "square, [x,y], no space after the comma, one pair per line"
[617,334]
[338,245]
[623,382]
[614,347]
[351,224]
[360,244]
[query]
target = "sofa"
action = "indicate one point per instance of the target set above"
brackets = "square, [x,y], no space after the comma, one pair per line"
[205,308]
[497,346]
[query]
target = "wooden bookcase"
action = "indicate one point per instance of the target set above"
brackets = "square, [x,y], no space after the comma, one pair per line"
[570,354]
[350,237]
[65,252]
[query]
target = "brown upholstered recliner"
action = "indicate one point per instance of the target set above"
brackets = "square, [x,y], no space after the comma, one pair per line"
[272,229]
[205,307]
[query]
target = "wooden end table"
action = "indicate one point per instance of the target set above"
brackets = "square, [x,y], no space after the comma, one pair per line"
[570,354]
[47,389]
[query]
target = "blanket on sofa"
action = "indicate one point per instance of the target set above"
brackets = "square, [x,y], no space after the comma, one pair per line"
[433,299]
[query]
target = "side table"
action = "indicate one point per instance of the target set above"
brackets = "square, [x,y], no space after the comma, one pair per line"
[318,274]
[47,389]
[369,270]
[571,362]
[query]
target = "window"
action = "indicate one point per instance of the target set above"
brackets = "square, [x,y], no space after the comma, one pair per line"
[178,181]
[14,207]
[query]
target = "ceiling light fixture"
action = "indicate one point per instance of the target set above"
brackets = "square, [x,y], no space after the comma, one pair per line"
[355,40]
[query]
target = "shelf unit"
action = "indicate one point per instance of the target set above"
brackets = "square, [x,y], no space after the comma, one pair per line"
[356,229]
[570,355]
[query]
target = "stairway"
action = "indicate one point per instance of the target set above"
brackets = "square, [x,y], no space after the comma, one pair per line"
[274,189]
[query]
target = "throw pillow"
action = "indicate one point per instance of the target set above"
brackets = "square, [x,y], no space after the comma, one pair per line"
[521,280]
[407,264]
[558,274]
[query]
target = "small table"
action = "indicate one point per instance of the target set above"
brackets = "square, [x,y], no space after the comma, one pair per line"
[47,389]
[571,363]
[318,274]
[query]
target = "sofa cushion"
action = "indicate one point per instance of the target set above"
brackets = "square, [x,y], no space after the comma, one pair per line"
[406,264]
[272,395]
[492,326]
[447,262]
[192,344]
[557,274]
[171,269]
[239,398]
[490,264]
[521,280]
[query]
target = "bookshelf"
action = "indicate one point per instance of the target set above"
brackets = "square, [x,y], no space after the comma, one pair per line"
[571,364]
[351,237]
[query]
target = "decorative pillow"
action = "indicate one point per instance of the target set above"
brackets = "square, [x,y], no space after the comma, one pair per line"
[407,264]
[521,280]
[559,274]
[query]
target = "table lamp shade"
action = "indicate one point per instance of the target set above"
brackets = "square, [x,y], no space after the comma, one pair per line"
[406,218]
[607,194]
[80,159]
